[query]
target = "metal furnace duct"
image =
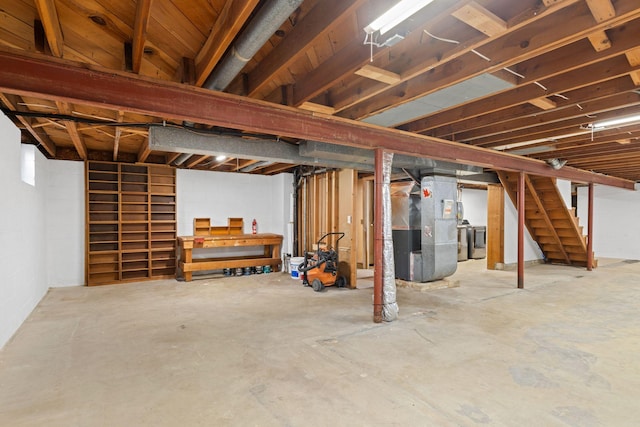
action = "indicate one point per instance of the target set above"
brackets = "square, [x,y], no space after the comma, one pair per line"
[438,257]
[405,226]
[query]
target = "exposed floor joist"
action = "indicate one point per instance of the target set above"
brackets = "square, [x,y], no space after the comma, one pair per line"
[61,81]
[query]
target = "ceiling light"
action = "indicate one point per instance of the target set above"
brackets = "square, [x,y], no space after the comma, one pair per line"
[615,122]
[221,157]
[540,140]
[398,13]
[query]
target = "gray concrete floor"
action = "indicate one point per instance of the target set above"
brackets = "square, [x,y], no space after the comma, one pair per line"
[265,351]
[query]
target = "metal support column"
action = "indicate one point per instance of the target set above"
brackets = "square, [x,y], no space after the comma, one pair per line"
[378,261]
[590,230]
[521,180]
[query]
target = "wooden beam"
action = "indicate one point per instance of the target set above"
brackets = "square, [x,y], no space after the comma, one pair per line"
[318,108]
[543,103]
[601,9]
[31,75]
[572,80]
[144,152]
[633,56]
[481,19]
[495,225]
[231,19]
[13,102]
[143,11]
[116,139]
[195,160]
[316,24]
[600,41]
[170,156]
[635,76]
[49,17]
[72,129]
[379,74]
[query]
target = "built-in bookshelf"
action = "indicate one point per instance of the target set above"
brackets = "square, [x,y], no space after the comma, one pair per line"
[131,222]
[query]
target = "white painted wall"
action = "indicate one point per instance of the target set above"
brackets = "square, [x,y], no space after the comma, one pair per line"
[22,234]
[474,203]
[65,210]
[220,195]
[616,227]
[564,188]
[531,249]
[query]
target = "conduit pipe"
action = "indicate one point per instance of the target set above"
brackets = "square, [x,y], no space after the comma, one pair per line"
[266,22]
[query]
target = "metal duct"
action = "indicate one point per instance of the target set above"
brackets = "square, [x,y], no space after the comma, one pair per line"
[181,159]
[262,26]
[438,209]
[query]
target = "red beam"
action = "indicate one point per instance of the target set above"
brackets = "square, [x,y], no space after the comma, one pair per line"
[378,258]
[521,179]
[31,75]
[590,230]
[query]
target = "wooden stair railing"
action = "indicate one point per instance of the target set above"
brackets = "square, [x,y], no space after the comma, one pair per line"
[550,223]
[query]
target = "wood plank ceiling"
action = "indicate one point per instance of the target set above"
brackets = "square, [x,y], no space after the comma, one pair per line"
[565,66]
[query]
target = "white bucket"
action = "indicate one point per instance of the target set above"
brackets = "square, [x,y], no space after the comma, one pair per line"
[294,262]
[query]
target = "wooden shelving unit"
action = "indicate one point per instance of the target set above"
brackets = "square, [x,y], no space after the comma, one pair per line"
[131,222]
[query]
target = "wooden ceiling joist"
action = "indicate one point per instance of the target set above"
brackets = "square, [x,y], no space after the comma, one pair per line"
[543,103]
[600,41]
[504,54]
[601,9]
[231,19]
[49,18]
[143,11]
[72,129]
[316,24]
[116,139]
[481,19]
[61,81]
[379,74]
[13,102]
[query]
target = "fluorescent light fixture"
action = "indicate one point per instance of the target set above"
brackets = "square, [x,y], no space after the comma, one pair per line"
[221,157]
[537,141]
[615,122]
[395,15]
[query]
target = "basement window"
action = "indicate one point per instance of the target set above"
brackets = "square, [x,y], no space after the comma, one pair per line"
[28,164]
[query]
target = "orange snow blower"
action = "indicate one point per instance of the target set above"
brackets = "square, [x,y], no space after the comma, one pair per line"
[320,269]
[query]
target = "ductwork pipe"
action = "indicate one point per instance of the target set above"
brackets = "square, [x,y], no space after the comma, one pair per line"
[262,26]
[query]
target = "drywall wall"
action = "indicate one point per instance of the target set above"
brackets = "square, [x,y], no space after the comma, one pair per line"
[221,195]
[64,223]
[532,251]
[474,203]
[615,221]
[22,227]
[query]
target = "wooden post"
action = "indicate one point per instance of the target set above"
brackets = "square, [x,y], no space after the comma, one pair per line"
[521,180]
[378,235]
[590,230]
[495,225]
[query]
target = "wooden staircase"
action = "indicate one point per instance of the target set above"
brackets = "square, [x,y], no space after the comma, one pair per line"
[551,224]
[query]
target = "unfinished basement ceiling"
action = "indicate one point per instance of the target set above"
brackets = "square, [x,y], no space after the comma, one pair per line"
[519,76]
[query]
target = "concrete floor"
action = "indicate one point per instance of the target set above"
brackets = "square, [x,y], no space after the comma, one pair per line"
[265,351]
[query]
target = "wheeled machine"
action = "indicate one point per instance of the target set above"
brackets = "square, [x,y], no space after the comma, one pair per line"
[320,269]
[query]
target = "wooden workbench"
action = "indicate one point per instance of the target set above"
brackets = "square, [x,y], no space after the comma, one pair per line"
[187,244]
